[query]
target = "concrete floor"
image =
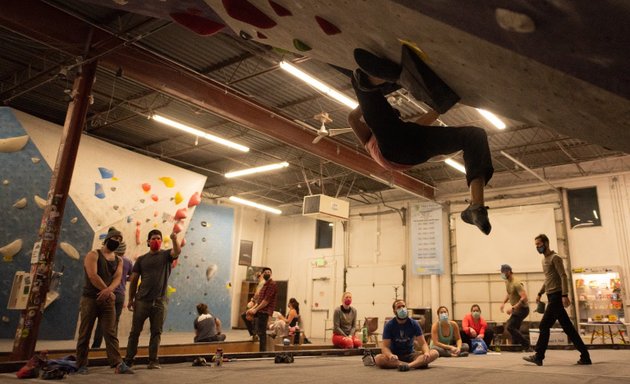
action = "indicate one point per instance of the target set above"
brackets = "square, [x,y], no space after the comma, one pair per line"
[610,366]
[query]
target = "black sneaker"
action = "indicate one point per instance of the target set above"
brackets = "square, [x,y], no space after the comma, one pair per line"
[377,66]
[477,216]
[533,359]
[584,361]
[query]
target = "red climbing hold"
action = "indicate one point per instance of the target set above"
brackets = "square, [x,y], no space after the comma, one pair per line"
[279,9]
[260,35]
[198,24]
[246,12]
[326,26]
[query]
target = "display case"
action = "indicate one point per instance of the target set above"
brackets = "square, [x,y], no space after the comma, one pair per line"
[599,300]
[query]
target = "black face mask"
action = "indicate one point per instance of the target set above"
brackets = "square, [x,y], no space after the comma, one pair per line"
[266,277]
[112,244]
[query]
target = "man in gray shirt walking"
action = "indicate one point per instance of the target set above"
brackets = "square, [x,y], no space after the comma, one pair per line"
[556,287]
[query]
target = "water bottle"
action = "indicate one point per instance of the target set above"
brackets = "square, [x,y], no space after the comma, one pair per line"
[364,335]
[218,357]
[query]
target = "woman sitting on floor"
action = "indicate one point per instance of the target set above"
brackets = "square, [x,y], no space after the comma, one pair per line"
[445,337]
[344,324]
[474,326]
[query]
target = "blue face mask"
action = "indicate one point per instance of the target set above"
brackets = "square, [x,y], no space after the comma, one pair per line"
[402,313]
[541,249]
[443,316]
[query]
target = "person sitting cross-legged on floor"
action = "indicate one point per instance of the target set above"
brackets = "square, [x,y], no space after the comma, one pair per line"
[445,337]
[474,326]
[344,324]
[399,336]
[207,327]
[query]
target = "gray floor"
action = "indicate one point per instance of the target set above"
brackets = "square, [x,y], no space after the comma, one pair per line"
[610,366]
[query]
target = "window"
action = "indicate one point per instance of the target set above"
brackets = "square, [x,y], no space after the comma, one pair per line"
[323,234]
[583,207]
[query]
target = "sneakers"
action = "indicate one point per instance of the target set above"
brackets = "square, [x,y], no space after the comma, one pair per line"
[123,368]
[584,361]
[533,359]
[477,215]
[403,367]
[463,354]
[377,66]
[154,365]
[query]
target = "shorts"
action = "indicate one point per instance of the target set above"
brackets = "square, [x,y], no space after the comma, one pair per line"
[408,358]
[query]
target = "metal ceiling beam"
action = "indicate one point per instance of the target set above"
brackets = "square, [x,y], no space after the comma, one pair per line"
[32,18]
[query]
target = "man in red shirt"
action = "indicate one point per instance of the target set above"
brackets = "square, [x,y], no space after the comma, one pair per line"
[264,307]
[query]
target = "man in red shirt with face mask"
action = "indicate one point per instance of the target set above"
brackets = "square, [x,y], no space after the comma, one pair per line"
[149,301]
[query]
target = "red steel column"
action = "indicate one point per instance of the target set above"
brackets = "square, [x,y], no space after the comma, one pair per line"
[44,250]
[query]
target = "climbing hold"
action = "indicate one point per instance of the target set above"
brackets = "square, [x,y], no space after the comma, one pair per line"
[40,202]
[260,35]
[243,10]
[154,197]
[74,220]
[279,9]
[211,271]
[194,200]
[168,181]
[301,46]
[198,24]
[20,203]
[35,160]
[177,228]
[181,214]
[69,250]
[98,191]
[244,35]
[178,198]
[146,187]
[326,26]
[106,173]
[13,144]
[11,249]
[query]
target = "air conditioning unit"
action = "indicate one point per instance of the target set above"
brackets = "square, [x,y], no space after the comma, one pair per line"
[325,208]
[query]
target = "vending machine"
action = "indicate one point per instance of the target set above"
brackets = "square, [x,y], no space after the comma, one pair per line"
[599,297]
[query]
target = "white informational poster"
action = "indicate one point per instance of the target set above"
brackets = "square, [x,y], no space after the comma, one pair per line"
[426,241]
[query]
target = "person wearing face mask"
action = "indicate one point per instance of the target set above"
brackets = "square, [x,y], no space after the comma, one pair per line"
[103,270]
[445,336]
[119,292]
[149,300]
[474,326]
[264,307]
[400,335]
[556,287]
[344,324]
[249,319]
[519,310]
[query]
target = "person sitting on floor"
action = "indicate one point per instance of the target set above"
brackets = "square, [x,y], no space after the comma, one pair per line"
[344,324]
[400,337]
[474,326]
[445,337]
[207,327]
[287,326]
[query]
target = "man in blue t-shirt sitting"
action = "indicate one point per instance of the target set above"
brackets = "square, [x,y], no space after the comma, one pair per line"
[399,335]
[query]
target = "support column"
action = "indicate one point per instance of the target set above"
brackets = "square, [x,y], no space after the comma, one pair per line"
[44,250]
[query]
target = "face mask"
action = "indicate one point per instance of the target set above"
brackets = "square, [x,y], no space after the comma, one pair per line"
[347,301]
[541,249]
[266,277]
[503,277]
[476,314]
[443,316]
[155,245]
[112,244]
[401,313]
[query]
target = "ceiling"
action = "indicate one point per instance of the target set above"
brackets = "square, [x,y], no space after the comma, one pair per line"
[233,88]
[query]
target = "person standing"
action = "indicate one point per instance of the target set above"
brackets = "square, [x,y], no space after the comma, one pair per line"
[264,307]
[102,275]
[150,301]
[207,327]
[400,335]
[344,324]
[557,289]
[517,296]
[119,292]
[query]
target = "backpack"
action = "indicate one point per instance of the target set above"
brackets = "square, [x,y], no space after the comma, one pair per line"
[479,347]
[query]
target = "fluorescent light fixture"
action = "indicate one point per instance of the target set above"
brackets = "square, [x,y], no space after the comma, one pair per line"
[456,165]
[491,117]
[255,205]
[264,168]
[322,87]
[197,132]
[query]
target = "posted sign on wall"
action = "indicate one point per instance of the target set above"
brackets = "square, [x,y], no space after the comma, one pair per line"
[426,241]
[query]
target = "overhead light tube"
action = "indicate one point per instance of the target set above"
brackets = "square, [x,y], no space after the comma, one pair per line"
[491,117]
[320,86]
[456,165]
[263,168]
[255,205]
[199,133]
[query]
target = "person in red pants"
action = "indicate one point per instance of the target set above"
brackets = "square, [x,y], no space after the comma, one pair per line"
[344,324]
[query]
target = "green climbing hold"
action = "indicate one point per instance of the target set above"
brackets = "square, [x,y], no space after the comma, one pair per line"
[301,46]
